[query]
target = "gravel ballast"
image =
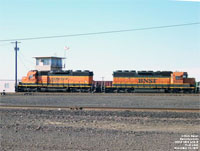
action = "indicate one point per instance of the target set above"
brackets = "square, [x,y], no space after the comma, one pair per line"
[94,130]
[108,100]
[87,130]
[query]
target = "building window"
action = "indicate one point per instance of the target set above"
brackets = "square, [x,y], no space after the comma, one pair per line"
[56,62]
[46,61]
[37,62]
[53,62]
[6,85]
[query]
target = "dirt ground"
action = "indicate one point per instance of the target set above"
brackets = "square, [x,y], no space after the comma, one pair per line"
[96,130]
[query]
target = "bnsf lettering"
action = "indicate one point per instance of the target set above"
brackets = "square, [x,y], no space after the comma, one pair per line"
[147,80]
[58,79]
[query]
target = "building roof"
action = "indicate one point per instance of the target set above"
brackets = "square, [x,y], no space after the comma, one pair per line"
[50,57]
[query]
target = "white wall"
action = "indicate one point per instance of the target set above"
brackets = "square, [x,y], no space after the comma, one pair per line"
[7,85]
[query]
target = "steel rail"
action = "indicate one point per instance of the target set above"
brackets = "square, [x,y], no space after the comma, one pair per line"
[98,94]
[99,108]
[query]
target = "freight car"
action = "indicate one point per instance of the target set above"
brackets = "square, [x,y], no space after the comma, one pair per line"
[69,81]
[123,81]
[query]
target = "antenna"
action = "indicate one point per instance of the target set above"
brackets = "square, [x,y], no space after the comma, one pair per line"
[65,49]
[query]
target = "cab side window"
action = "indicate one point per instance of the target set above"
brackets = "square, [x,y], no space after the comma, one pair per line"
[185,76]
[31,76]
[178,78]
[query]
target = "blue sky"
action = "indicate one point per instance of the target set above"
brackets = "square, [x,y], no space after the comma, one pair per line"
[173,49]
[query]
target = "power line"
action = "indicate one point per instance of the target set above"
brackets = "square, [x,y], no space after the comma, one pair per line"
[104,32]
[5,44]
[25,59]
[20,58]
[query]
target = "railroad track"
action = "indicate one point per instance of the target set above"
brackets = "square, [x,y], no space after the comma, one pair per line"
[99,108]
[99,94]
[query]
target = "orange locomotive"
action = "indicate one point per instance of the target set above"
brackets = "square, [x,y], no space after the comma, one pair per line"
[129,81]
[57,80]
[123,81]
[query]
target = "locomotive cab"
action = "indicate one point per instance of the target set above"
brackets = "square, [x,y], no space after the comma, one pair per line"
[30,78]
[181,82]
[179,77]
[182,77]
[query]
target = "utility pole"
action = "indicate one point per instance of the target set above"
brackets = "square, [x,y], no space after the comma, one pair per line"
[16,49]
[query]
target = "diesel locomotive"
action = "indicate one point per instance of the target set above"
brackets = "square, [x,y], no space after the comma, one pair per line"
[69,81]
[129,81]
[123,81]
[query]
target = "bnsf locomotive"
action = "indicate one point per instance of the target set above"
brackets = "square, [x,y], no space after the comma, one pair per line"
[57,80]
[123,81]
[168,81]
